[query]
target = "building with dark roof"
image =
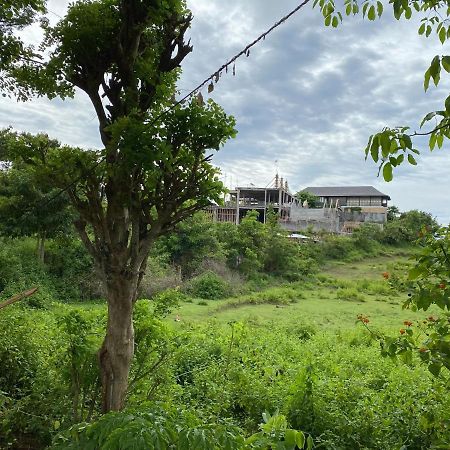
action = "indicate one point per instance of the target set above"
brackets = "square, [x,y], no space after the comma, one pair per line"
[341,208]
[349,196]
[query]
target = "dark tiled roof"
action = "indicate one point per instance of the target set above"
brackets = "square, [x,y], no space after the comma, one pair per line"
[345,191]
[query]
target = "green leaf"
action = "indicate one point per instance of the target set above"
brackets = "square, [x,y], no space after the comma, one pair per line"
[408,13]
[434,369]
[447,104]
[422,28]
[407,140]
[309,443]
[435,68]
[446,63]
[400,159]
[428,117]
[364,8]
[432,142]
[426,81]
[411,160]
[335,22]
[379,8]
[290,439]
[374,148]
[387,172]
[442,35]
[371,15]
[415,272]
[300,439]
[385,144]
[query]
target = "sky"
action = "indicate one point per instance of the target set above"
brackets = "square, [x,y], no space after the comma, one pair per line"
[305,100]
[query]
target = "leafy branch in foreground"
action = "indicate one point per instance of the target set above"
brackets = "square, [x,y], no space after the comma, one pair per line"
[391,147]
[429,285]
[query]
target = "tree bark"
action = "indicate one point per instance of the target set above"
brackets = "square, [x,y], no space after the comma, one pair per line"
[116,353]
[41,247]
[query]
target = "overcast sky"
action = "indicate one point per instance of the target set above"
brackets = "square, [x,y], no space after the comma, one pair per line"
[306,100]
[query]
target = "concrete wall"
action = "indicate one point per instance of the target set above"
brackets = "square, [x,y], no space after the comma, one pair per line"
[364,216]
[321,219]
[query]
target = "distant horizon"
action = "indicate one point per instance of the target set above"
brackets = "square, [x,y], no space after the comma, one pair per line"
[306,100]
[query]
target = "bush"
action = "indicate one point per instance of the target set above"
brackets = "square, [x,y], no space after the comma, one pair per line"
[349,294]
[341,248]
[367,237]
[208,286]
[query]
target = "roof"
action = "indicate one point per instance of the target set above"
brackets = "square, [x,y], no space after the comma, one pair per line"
[345,191]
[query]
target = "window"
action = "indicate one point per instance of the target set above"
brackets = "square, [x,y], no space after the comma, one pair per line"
[353,201]
[375,201]
[364,202]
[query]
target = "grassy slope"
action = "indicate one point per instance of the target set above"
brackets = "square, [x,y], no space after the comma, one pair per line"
[317,304]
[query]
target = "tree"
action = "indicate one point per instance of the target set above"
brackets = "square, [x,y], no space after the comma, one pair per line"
[313,201]
[14,16]
[392,213]
[391,147]
[25,206]
[153,171]
[191,243]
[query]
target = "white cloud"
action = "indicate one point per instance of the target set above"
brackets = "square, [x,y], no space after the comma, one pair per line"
[307,96]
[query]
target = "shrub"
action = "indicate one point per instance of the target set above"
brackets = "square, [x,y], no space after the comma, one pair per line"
[367,237]
[349,294]
[340,248]
[207,286]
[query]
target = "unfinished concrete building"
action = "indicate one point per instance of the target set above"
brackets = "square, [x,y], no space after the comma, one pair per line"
[250,198]
[341,209]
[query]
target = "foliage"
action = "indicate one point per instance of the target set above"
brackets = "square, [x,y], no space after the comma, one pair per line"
[392,213]
[208,286]
[253,247]
[327,380]
[152,171]
[367,237]
[408,227]
[431,279]
[15,15]
[391,147]
[25,206]
[190,243]
[311,199]
[158,428]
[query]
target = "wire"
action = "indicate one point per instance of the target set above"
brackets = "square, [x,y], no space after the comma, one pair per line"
[214,77]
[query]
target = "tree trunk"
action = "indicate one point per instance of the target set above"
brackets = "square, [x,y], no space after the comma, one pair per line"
[41,247]
[116,353]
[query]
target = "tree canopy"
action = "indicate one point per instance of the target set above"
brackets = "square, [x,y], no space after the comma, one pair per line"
[154,169]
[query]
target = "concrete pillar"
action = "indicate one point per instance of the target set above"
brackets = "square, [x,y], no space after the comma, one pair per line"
[237,206]
[265,204]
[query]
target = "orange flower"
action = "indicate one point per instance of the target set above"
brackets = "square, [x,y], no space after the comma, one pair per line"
[402,331]
[431,319]
[365,320]
[423,350]
[385,275]
[442,286]
[408,323]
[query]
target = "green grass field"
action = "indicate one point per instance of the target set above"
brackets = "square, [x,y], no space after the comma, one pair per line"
[342,291]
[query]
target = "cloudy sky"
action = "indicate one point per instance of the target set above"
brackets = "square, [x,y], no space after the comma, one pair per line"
[305,100]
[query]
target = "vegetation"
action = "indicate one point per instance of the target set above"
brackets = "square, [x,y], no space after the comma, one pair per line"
[288,349]
[311,199]
[249,341]
[392,147]
[270,358]
[152,172]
